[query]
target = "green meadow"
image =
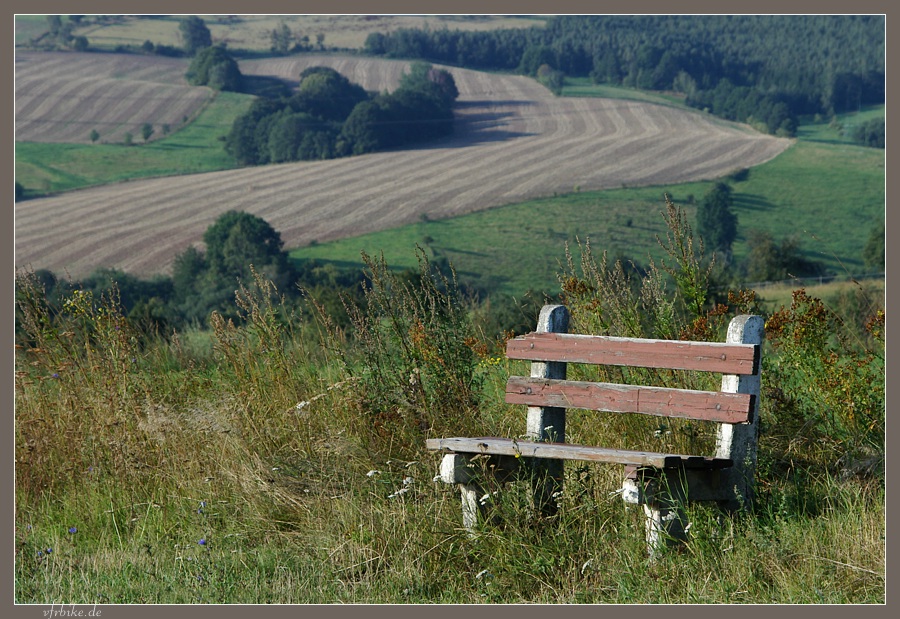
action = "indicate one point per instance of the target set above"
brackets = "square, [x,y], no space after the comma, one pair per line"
[829,196]
[52,168]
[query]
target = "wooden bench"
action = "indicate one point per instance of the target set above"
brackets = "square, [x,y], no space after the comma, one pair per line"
[661,482]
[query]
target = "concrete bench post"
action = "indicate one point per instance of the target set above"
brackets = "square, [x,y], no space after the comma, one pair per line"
[548,424]
[739,442]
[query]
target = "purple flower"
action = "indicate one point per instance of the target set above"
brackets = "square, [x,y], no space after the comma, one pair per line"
[73,530]
[49,550]
[202,542]
[55,375]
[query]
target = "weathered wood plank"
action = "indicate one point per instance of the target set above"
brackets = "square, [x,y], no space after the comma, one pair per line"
[566,451]
[602,350]
[614,398]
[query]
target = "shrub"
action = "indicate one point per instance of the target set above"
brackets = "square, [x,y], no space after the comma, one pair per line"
[415,364]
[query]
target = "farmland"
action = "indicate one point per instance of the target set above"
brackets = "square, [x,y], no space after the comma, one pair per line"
[515,141]
[178,441]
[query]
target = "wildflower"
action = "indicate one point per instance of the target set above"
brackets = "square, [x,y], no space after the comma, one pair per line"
[407,481]
[55,375]
[49,550]
[398,493]
[202,542]
[372,473]
[73,530]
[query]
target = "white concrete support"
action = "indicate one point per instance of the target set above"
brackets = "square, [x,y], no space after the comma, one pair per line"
[739,441]
[548,424]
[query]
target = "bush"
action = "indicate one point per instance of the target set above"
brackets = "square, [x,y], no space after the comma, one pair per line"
[416,363]
[214,67]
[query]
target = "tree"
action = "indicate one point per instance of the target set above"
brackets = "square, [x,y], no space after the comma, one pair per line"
[195,36]
[214,67]
[873,253]
[716,223]
[94,135]
[281,39]
[238,239]
[146,131]
[20,191]
[80,44]
[769,261]
[54,23]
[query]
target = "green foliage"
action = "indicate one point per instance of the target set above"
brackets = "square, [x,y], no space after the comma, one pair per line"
[873,252]
[329,116]
[262,465]
[146,131]
[870,133]
[551,78]
[195,35]
[716,223]
[769,261]
[826,382]
[20,191]
[281,39]
[214,67]
[94,135]
[416,365]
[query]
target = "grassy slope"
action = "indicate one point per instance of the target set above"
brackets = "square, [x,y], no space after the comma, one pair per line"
[830,196]
[825,190]
[196,148]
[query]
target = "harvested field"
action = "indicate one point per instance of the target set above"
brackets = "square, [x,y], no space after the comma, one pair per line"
[514,141]
[61,97]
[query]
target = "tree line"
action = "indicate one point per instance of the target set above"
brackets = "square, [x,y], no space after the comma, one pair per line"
[329,116]
[768,69]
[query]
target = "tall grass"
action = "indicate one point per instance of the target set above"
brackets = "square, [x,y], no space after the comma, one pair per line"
[283,461]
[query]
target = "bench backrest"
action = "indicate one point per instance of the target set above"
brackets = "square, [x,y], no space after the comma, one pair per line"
[734,407]
[665,354]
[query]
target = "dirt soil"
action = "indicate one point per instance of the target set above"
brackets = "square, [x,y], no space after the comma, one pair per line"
[514,141]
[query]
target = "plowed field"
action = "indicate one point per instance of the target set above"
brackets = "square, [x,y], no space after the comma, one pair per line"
[514,141]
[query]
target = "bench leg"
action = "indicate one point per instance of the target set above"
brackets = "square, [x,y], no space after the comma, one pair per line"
[468,471]
[471,505]
[662,494]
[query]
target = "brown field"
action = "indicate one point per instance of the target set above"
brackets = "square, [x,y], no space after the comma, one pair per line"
[61,97]
[253,32]
[515,141]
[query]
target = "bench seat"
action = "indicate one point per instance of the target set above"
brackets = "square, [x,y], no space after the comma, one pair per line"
[569,451]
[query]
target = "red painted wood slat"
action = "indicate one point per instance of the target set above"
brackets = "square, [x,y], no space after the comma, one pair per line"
[603,350]
[682,403]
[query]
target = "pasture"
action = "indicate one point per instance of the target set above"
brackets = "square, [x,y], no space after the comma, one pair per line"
[253,32]
[515,142]
[271,461]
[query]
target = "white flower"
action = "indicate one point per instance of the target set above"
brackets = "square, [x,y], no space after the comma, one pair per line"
[398,493]
[408,481]
[372,473]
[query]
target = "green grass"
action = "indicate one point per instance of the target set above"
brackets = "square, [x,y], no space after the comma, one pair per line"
[185,443]
[829,196]
[50,168]
[824,131]
[584,87]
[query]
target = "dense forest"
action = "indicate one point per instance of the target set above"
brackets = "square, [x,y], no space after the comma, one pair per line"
[766,69]
[328,116]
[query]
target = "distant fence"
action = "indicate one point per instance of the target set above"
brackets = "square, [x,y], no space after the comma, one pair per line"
[812,281]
